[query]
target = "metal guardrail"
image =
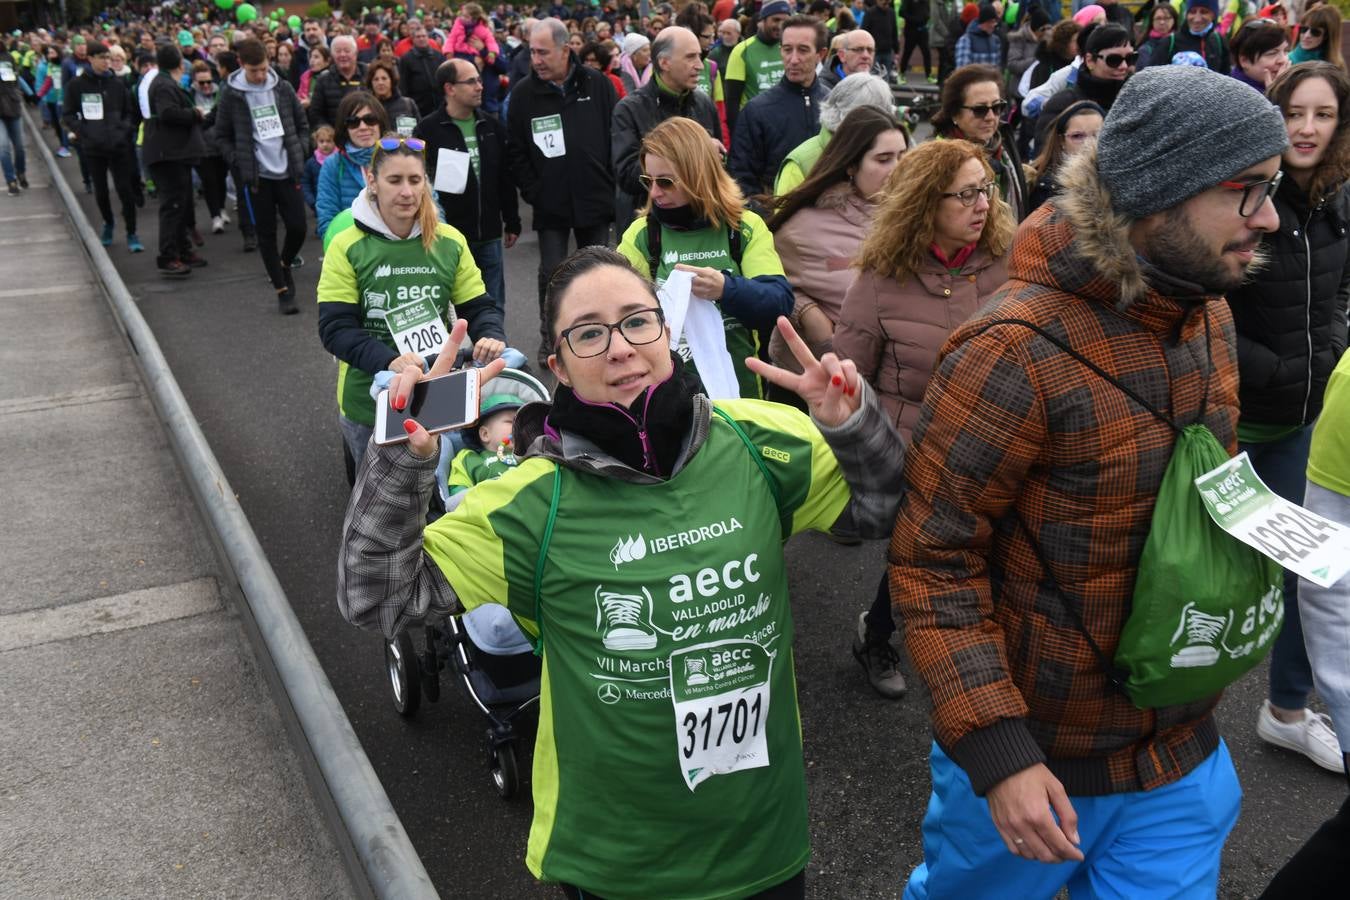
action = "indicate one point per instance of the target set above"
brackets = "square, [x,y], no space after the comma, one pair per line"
[379,855]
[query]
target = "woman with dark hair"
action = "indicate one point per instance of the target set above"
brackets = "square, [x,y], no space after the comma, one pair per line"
[936,250]
[320,58]
[819,225]
[382,81]
[1319,37]
[1073,130]
[1109,60]
[1060,49]
[649,645]
[1260,53]
[361,120]
[972,109]
[1291,330]
[597,56]
[1159,20]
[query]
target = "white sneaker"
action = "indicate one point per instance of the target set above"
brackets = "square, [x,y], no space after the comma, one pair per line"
[218,224]
[1313,737]
[225,216]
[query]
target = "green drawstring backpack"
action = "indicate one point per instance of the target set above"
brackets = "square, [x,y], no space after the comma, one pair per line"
[1206,607]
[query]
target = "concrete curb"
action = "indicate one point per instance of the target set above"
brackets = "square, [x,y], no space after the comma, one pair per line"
[379,856]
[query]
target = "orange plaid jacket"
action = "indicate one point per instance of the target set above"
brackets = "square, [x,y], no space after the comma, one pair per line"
[1016,434]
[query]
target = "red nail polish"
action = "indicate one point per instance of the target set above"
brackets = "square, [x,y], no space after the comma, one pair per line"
[400,402]
[836,381]
[410,425]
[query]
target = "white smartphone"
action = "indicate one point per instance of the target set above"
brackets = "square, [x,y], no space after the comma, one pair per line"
[438,404]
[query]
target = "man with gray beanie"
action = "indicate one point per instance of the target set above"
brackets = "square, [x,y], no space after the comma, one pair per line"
[1030,488]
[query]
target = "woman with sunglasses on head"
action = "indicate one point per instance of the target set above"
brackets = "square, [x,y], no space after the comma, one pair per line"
[1319,37]
[1072,131]
[937,248]
[361,120]
[394,252]
[1260,53]
[640,542]
[696,221]
[1290,317]
[972,110]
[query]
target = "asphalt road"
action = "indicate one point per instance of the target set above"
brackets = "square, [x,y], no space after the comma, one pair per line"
[263,390]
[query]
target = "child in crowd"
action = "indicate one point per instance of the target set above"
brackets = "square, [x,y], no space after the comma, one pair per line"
[488,449]
[324,147]
[471,23]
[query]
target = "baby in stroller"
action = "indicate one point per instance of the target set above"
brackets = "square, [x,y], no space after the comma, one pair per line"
[485,649]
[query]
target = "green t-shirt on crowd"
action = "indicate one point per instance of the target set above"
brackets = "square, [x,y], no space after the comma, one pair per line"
[468,128]
[1329,458]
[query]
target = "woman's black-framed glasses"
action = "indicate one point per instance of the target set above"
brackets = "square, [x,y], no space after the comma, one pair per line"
[980,110]
[369,119]
[665,182]
[587,339]
[967,197]
[1116,60]
[392,143]
[1254,194]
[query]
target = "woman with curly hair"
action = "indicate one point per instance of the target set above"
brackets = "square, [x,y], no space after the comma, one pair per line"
[695,221]
[1290,317]
[938,247]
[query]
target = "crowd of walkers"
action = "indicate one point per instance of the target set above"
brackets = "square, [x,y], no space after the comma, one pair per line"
[770,306]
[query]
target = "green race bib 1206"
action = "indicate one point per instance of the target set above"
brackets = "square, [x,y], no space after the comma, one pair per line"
[417,328]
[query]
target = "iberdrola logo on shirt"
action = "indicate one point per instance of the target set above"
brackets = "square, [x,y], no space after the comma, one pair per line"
[670,257]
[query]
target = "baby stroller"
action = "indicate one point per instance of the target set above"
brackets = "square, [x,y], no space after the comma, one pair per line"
[484,650]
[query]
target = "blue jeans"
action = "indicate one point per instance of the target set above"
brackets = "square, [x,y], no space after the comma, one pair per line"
[1281,465]
[12,158]
[1160,843]
[488,255]
[356,436]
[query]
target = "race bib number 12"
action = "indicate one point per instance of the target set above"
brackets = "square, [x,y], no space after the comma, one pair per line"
[548,136]
[1303,542]
[721,696]
[417,328]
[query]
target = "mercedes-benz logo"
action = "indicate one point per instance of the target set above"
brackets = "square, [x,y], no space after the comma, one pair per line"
[608,693]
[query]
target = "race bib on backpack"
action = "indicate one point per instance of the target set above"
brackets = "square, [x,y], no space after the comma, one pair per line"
[267,122]
[91,107]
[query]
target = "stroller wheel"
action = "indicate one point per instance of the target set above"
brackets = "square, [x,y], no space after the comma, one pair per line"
[505,772]
[400,661]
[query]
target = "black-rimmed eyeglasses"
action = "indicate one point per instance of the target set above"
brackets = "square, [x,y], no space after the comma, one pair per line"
[587,339]
[980,110]
[1254,194]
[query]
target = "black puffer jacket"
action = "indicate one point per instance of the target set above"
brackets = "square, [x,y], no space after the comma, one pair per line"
[769,127]
[641,111]
[326,91]
[1291,317]
[576,189]
[233,128]
[110,133]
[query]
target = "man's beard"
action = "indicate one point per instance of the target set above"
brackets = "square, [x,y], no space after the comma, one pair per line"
[1176,249]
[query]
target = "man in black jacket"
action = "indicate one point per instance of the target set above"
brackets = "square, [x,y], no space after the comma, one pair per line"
[672,91]
[485,200]
[260,129]
[335,82]
[100,114]
[881,25]
[172,142]
[417,70]
[559,126]
[779,119]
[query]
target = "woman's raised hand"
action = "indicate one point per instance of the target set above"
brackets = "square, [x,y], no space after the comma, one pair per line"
[829,385]
[400,389]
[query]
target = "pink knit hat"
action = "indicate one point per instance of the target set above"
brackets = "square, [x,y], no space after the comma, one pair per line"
[1088,13]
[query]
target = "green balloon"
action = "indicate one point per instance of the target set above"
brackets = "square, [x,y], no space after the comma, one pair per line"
[379,9]
[245,12]
[273,25]
[225,4]
[273,15]
[399,10]
[295,23]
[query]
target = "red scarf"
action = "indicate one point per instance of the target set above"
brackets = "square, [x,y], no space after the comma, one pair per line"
[956,262]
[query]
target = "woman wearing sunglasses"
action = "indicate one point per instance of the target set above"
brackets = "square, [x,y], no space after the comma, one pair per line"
[1109,60]
[361,120]
[1290,317]
[972,110]
[394,254]
[937,248]
[695,221]
[640,542]
[1072,131]
[1319,37]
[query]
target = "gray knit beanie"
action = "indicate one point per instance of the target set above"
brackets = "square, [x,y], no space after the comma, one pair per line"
[1175,131]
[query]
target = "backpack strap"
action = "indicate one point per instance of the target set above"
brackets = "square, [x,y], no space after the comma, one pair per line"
[735,244]
[1097,370]
[543,558]
[784,522]
[653,247]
